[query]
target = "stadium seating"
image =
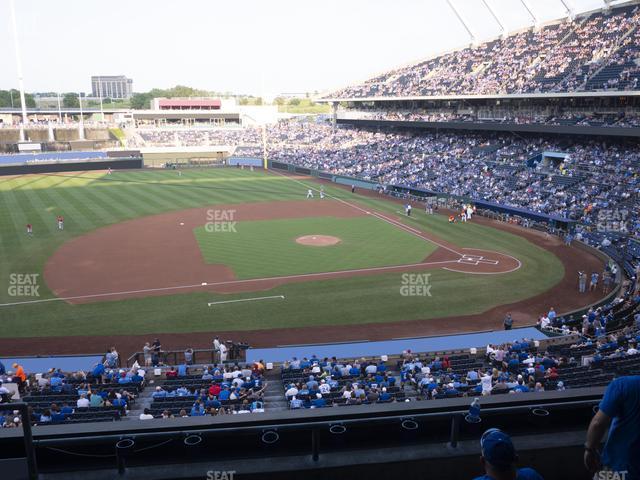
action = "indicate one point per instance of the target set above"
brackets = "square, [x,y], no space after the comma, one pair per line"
[596,51]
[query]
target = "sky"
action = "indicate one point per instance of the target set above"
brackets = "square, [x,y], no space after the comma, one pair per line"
[242,46]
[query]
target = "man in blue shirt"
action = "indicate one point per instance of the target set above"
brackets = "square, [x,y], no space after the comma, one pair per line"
[55,383]
[319,402]
[619,413]
[499,458]
[295,403]
[224,394]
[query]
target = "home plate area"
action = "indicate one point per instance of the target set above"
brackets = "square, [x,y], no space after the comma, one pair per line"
[476,260]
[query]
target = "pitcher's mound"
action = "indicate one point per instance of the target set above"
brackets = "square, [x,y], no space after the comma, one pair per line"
[318,240]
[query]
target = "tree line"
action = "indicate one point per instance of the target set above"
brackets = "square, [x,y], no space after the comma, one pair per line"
[11,99]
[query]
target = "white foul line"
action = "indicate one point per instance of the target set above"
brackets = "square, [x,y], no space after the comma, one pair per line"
[233,282]
[245,300]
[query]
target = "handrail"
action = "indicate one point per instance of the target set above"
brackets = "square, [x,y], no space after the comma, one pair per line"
[30,452]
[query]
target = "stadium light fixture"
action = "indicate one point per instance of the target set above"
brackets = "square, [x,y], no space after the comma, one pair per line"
[455,11]
[495,17]
[19,68]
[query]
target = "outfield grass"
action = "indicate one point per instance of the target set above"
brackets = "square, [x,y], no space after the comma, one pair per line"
[92,200]
[365,242]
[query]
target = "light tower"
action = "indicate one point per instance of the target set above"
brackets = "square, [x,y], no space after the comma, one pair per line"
[19,69]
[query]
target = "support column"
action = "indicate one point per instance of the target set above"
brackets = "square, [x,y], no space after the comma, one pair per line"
[495,17]
[535,20]
[569,9]
[471,35]
[334,114]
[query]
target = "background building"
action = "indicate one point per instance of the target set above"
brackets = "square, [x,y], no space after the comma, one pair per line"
[111,86]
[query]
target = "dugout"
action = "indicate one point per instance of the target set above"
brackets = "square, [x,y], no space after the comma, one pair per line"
[160,157]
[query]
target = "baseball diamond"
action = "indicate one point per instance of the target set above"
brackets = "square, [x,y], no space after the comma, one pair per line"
[272,271]
[142,268]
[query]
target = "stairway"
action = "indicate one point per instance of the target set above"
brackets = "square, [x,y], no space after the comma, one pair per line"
[274,400]
[607,70]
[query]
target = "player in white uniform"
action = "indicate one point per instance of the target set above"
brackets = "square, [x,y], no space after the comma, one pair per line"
[309,193]
[321,192]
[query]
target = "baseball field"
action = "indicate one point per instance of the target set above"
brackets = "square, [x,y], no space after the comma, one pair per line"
[147,253]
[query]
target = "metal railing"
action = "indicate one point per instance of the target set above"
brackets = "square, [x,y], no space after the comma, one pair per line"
[27,435]
[321,432]
[202,356]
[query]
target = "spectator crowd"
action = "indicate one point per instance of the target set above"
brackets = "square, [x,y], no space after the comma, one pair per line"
[597,51]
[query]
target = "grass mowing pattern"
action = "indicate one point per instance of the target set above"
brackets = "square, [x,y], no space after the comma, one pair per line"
[91,200]
[267,248]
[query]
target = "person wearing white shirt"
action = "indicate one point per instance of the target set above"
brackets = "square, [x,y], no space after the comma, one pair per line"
[371,369]
[544,322]
[146,415]
[223,352]
[83,401]
[237,382]
[485,381]
[324,387]
[216,348]
[291,392]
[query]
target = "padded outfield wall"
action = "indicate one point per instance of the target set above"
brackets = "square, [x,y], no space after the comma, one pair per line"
[52,162]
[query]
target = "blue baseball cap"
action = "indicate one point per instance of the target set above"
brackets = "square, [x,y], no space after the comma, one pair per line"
[497,448]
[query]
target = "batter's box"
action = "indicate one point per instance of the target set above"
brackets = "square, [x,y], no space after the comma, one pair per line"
[468,261]
[476,260]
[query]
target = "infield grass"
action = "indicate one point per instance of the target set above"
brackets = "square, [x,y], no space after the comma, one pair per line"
[268,248]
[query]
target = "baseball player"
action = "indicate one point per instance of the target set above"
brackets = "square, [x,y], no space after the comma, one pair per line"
[60,220]
[321,192]
[582,282]
[29,229]
[309,193]
[408,209]
[593,284]
[109,171]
